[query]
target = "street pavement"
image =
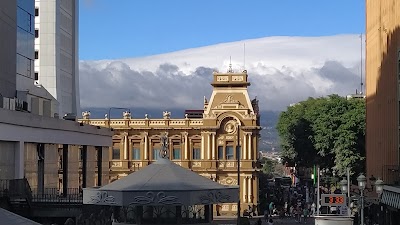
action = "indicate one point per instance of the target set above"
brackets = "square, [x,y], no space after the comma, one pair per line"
[253,221]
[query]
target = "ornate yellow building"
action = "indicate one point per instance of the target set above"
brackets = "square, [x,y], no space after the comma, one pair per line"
[205,145]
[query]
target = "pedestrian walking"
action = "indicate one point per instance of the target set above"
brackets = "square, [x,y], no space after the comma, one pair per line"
[305,214]
[313,209]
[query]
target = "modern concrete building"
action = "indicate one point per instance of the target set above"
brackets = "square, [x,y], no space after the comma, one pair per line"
[383,98]
[17,89]
[42,159]
[8,46]
[205,145]
[56,52]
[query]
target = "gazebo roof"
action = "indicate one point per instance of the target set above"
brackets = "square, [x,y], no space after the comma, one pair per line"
[164,175]
[161,183]
[7,217]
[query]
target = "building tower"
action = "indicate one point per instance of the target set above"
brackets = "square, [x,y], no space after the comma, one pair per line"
[56,52]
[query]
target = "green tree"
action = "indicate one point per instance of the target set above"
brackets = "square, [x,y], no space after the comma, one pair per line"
[268,166]
[329,131]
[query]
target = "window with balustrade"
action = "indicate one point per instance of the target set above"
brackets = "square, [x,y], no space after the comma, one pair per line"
[116,152]
[229,152]
[196,150]
[135,153]
[156,147]
[176,150]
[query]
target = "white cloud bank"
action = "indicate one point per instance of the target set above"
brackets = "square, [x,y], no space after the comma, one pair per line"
[282,70]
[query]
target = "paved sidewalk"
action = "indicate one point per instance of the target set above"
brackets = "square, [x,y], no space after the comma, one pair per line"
[277,221]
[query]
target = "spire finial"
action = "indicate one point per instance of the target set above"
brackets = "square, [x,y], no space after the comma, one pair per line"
[230,70]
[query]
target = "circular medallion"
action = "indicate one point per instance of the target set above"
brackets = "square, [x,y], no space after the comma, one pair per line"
[230,127]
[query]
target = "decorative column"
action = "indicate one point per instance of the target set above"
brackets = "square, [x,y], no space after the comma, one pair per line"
[213,145]
[250,185]
[208,145]
[202,145]
[145,136]
[250,150]
[185,135]
[244,145]
[244,189]
[126,146]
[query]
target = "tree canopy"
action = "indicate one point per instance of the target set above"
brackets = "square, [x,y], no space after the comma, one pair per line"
[327,131]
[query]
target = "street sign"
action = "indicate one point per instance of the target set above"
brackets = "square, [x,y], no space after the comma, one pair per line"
[333,200]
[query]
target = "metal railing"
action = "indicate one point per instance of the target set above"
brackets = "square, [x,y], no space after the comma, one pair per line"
[15,188]
[55,195]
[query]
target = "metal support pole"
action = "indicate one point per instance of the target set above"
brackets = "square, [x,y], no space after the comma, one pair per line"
[40,167]
[318,196]
[362,207]
[348,192]
[109,114]
[238,171]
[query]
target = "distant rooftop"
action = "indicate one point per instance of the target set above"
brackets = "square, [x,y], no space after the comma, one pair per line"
[355,96]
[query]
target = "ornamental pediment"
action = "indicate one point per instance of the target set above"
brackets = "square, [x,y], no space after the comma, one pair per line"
[229,103]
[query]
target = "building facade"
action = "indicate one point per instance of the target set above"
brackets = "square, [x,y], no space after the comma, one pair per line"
[25,43]
[8,43]
[382,89]
[42,159]
[383,100]
[205,145]
[56,51]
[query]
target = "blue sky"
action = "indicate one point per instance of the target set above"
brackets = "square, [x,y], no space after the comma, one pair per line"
[111,29]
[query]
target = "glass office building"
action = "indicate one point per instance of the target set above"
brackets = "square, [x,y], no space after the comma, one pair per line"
[25,39]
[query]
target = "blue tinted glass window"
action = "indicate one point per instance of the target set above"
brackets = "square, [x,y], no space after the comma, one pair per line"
[176,153]
[220,152]
[229,152]
[156,154]
[136,154]
[196,153]
[116,154]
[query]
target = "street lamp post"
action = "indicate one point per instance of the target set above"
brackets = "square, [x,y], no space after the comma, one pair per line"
[109,115]
[238,170]
[379,189]
[345,190]
[361,185]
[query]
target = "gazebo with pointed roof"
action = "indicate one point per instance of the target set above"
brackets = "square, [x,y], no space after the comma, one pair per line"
[162,183]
